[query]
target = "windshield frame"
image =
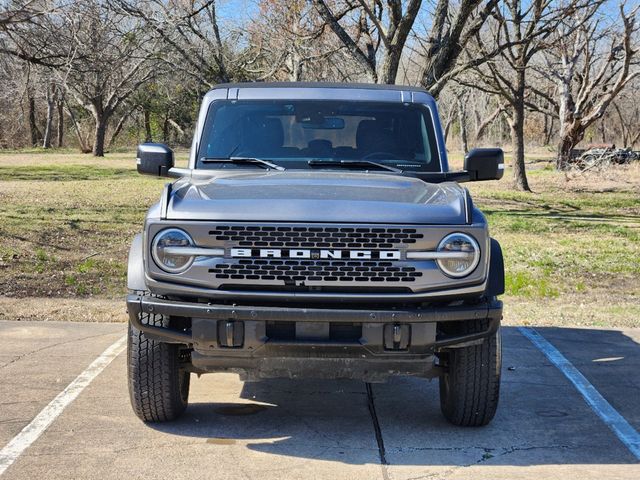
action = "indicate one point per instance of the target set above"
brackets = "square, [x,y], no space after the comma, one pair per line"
[428,108]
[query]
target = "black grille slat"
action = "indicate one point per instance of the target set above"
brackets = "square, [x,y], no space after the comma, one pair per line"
[316,237]
[324,270]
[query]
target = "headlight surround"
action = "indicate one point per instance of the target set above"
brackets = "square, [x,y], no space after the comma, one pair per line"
[171,237]
[459,267]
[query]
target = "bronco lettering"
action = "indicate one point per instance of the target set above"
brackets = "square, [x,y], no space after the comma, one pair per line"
[323,254]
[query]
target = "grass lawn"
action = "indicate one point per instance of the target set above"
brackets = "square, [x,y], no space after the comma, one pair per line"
[572,248]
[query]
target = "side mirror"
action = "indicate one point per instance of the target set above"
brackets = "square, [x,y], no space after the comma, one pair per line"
[154,159]
[484,164]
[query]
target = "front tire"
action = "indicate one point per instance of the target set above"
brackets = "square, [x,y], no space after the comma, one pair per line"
[470,389]
[158,387]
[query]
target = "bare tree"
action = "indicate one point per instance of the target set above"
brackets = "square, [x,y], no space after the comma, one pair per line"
[376,35]
[191,36]
[28,31]
[484,123]
[368,24]
[52,99]
[92,51]
[627,114]
[289,41]
[462,98]
[519,31]
[60,123]
[590,66]
[450,32]
[23,11]
[111,63]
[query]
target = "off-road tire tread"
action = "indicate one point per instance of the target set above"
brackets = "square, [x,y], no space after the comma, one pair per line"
[474,379]
[157,389]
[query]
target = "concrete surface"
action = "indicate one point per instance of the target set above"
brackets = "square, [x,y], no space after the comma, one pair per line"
[318,429]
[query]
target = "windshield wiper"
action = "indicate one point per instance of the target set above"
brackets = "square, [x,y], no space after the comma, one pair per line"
[255,161]
[352,163]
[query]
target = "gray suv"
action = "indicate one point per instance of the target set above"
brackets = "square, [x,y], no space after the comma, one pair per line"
[316,233]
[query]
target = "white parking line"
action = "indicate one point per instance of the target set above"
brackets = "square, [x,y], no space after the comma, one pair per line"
[609,415]
[41,422]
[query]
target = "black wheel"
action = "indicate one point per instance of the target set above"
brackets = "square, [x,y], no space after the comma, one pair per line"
[470,389]
[158,387]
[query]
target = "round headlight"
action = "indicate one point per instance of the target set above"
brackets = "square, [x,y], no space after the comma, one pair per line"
[467,259]
[166,260]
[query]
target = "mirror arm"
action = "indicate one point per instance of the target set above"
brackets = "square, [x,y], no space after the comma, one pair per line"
[460,176]
[470,176]
[177,172]
[438,177]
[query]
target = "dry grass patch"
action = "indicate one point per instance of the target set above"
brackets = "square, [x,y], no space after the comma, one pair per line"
[50,309]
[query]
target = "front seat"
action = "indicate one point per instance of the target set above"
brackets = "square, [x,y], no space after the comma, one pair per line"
[319,148]
[373,136]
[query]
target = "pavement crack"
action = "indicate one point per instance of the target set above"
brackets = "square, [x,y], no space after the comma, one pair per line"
[53,345]
[487,454]
[378,431]
[515,448]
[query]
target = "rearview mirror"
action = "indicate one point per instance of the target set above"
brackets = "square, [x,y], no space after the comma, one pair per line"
[154,159]
[327,123]
[484,164]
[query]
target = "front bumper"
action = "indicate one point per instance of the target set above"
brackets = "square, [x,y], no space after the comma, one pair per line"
[255,346]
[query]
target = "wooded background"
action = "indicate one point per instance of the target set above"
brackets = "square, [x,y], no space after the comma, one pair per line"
[522,74]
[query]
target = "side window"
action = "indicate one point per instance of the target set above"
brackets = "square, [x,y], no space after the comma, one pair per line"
[424,134]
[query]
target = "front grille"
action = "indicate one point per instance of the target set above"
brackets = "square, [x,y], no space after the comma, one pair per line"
[296,271]
[315,237]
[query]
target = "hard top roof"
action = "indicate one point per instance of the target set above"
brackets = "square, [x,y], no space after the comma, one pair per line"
[355,86]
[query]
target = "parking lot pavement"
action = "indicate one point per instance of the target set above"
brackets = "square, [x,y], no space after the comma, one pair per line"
[321,429]
[38,360]
[611,361]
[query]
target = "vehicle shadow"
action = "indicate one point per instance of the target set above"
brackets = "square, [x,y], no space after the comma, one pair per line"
[542,419]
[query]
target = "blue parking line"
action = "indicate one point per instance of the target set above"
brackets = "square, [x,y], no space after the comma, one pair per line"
[609,415]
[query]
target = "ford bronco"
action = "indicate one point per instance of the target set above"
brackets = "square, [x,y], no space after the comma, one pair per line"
[317,232]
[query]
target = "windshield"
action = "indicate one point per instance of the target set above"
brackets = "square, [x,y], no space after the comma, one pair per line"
[292,133]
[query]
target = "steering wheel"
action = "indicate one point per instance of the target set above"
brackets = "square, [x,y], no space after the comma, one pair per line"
[381,156]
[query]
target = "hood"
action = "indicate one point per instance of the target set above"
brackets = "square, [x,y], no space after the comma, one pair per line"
[317,196]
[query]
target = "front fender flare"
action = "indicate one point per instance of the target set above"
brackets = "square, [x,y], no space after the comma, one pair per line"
[495,284]
[135,269]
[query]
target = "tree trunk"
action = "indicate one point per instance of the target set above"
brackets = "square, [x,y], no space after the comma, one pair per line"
[60,132]
[517,133]
[624,131]
[549,125]
[120,125]
[48,129]
[117,130]
[462,120]
[33,127]
[390,65]
[165,129]
[484,124]
[76,128]
[148,134]
[447,124]
[571,136]
[296,63]
[177,128]
[99,135]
